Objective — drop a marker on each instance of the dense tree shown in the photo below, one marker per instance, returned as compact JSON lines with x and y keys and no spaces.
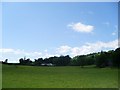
{"x":82,"y":60}
{"x":21,"y":60}
{"x":67,"y":60}
{"x":46,"y":60}
{"x":116,"y":58}
{"x":60,"y":61}
{"x":38,"y":61}
{"x":54,"y":60}
{"x":28,"y":61}
{"x":25,"y":61}
{"x":75,"y":61}
{"x":100,"y":59}
{"x":6,"y":61}
{"x":90,"y":60}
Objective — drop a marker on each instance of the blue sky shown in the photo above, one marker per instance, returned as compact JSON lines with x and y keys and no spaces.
{"x":47,"y":29}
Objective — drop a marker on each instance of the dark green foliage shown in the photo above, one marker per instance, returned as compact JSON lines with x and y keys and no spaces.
{"x":38,"y":62}
{"x":5,"y":62}
{"x":82,"y":60}
{"x":61,"y":61}
{"x":25,"y":61}
{"x":116,"y":58}
{"x":101,"y":59}
{"x":58,"y":61}
{"x":21,"y":61}
{"x":74,"y":61}
{"x":90,"y":60}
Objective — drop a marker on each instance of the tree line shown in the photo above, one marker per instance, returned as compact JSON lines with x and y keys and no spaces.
{"x":101,"y":59}
{"x":57,"y":61}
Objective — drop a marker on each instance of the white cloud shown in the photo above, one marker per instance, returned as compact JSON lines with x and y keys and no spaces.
{"x":13,"y":51}
{"x":80,"y":27}
{"x":17,"y":53}
{"x":47,"y":55}
{"x":1,"y":58}
{"x":36,"y":53}
{"x":63,"y":49}
{"x":88,"y":48}
{"x":103,"y":45}
{"x":13,"y":55}
{"x":45,"y":50}
{"x":6,"y":50}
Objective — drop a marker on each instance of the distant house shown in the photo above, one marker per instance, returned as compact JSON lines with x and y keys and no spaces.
{"x":46,"y":64}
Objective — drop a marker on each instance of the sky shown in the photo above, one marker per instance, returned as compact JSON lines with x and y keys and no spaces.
{"x":45,"y":29}
{"x":59,"y":0}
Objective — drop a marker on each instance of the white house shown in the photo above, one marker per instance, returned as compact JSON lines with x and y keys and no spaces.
{"x":46,"y":64}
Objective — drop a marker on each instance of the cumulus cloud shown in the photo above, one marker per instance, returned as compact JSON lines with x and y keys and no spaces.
{"x":80,"y":27}
{"x":13,"y":51}
{"x":14,"y":54}
{"x":88,"y":48}
{"x":63,"y":49}
{"x":6,"y":50}
{"x":17,"y":53}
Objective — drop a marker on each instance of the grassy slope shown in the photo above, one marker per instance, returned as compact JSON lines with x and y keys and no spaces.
{"x":58,"y":77}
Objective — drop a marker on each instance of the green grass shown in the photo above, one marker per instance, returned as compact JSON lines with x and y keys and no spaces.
{"x":58,"y":77}
{"x":0,"y":76}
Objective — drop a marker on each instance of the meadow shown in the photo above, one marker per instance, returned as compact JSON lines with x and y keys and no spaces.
{"x":58,"y":77}
{"x":0,"y":76}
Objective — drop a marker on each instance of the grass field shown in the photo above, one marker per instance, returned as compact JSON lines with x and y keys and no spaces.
{"x":0,"y":76}
{"x":58,"y":77}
